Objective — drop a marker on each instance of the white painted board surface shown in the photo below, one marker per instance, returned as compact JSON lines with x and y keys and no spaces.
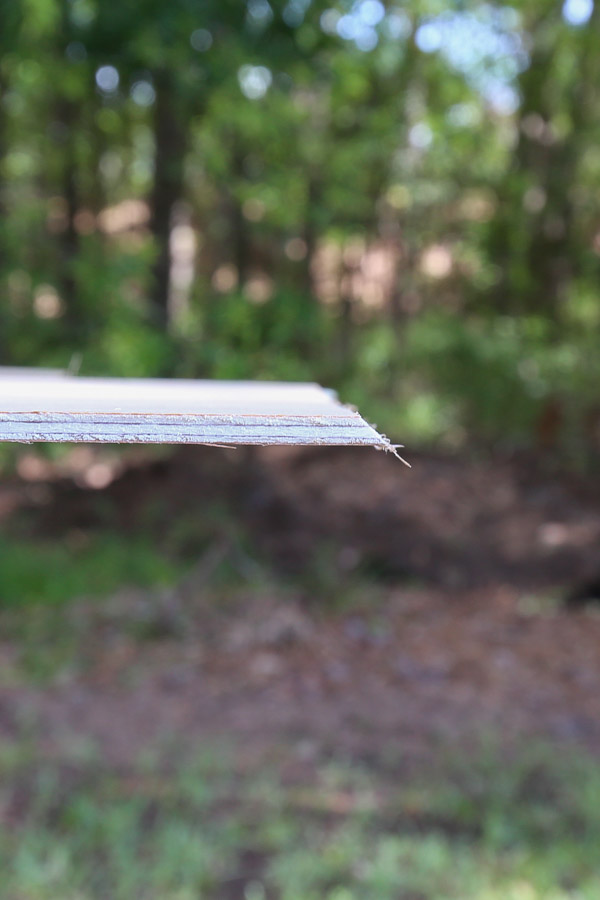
{"x":34,"y":407}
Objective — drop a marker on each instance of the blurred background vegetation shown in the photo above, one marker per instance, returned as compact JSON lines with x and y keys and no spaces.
{"x":312,"y":675}
{"x":399,"y":200}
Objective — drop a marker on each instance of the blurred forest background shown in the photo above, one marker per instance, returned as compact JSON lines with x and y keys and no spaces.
{"x":305,"y":673}
{"x":398,"y":200}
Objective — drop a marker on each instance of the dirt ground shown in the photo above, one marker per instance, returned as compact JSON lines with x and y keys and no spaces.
{"x":404,"y":611}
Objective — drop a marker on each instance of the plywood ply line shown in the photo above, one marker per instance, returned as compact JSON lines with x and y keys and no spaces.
{"x":35,"y":406}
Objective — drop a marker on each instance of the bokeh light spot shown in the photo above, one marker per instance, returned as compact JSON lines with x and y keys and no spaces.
{"x":107,"y":79}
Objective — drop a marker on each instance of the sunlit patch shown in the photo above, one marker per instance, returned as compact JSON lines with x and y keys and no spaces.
{"x":329,"y":20}
{"x":254,"y":81}
{"x":46,"y":303}
{"x":123,"y":216}
{"x":436,"y":261}
{"x":399,"y":196}
{"x":143,"y":93}
{"x":107,"y":79}
{"x":577,"y":12}
{"x":80,"y":458}
{"x":428,"y":37}
{"x":32,"y":468}
{"x":534,"y":199}
{"x":553,"y":534}
{"x":365,"y":274}
{"x":259,"y":12}
{"x":183,"y":246}
{"x":88,"y":470}
{"x":325,"y":269}
{"x":259,"y":288}
{"x":225,"y":278}
{"x":294,"y":11}
{"x":420,"y":136}
{"x":359,"y":24}
{"x":111,"y":165}
{"x":296,"y":249}
{"x":485,"y":45}
{"x":378,"y":268}
{"x":182,"y":241}
{"x":477,"y":205}
{"x":254,"y":209}
{"x":536,"y":128}
{"x":99,"y":475}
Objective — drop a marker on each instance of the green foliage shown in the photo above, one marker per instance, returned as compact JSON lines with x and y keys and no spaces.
{"x":284,"y":136}
{"x":71,"y":569}
{"x":485,"y":378}
{"x":282,"y":338}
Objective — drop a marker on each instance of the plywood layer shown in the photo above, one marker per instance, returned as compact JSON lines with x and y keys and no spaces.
{"x":36,"y":407}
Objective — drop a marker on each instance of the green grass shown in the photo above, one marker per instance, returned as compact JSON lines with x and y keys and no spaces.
{"x":43,"y":582}
{"x":482,"y":830}
{"x":52,"y":572}
{"x":484,"y":825}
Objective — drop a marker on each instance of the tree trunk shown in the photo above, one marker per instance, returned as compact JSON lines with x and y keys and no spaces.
{"x":239,"y":230}
{"x":69,"y":244}
{"x":540,"y":257}
{"x":169,"y":157}
{"x":310,"y":232}
{"x":3,"y":221}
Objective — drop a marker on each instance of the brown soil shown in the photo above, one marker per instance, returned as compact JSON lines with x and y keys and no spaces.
{"x":439,"y":624}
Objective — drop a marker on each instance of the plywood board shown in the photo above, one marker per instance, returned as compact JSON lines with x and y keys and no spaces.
{"x":35,"y":407}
